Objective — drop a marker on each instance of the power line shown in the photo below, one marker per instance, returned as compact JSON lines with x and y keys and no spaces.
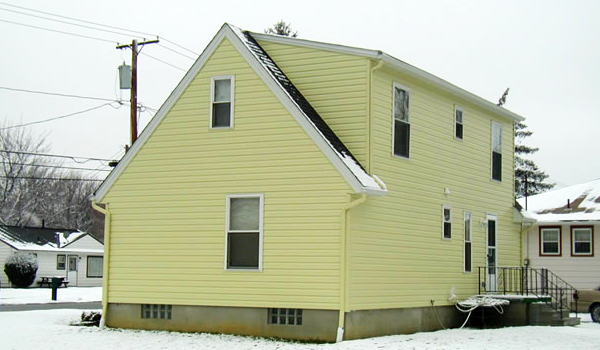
{"x":57,"y":166}
{"x":65,"y":22}
{"x":159,"y":60}
{"x":61,"y":117}
{"x":47,"y":178}
{"x":177,"y":52}
{"x":59,"y":31}
{"x":77,"y":20}
{"x":59,"y":94}
{"x":58,"y":156}
{"x":100,"y":25}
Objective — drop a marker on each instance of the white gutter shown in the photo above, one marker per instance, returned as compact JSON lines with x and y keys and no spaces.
{"x":106,"y":213}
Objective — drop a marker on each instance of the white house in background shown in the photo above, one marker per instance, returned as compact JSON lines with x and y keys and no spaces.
{"x":72,"y":254}
{"x":563,"y":239}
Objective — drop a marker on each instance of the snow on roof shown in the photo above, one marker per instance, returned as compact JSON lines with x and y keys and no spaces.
{"x":309,"y":112}
{"x":574,"y":203}
{"x":34,"y":238}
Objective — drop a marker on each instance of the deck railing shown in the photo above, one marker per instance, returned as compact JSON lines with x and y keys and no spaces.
{"x":541,"y":283}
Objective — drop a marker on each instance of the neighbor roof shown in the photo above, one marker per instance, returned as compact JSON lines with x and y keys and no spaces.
{"x":312,"y":123}
{"x":574,"y":203}
{"x":36,"y":238}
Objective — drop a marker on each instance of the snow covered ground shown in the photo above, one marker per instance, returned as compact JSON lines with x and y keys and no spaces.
{"x":51,"y":329}
{"x":44,"y":295}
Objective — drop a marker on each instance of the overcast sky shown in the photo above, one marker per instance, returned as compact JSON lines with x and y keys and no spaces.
{"x":547,"y":52}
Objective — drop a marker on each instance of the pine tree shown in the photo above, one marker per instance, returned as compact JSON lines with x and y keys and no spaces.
{"x":281,"y":28}
{"x":528,"y":177}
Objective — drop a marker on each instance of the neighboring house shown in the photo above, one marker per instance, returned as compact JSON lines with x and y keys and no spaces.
{"x":72,"y":254}
{"x":251,"y":204}
{"x":563,"y":239}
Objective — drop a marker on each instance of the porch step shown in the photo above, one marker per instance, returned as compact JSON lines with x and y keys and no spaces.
{"x":541,"y":314}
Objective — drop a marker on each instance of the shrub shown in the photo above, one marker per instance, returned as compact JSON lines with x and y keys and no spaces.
{"x":20,"y":268}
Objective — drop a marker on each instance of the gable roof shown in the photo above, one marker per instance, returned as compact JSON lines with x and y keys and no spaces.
{"x":574,"y":203}
{"x":397,"y":65}
{"x":291,"y":98}
{"x":37,"y":238}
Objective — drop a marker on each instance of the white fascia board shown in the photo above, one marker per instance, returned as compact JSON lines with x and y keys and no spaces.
{"x":160,"y":115}
{"x":300,"y":117}
{"x":396,"y":64}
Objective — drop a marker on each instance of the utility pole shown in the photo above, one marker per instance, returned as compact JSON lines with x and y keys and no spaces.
{"x":134,"y":54}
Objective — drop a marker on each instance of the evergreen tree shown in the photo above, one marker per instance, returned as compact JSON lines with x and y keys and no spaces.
{"x":281,"y":28}
{"x":526,"y":170}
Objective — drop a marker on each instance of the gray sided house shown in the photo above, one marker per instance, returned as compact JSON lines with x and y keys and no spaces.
{"x":77,"y":256}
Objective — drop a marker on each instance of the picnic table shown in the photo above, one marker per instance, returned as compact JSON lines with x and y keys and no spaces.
{"x":48,"y":281}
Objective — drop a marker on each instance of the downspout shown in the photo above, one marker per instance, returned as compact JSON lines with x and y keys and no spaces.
{"x":524,"y":227}
{"x":106,"y":213}
{"x":369,"y":127}
{"x":343,"y":265}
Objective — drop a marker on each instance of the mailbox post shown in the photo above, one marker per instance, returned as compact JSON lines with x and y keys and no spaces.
{"x":56,"y":282}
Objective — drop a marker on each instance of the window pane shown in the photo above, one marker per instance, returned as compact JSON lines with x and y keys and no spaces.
{"x":550,"y":235}
{"x":243,"y":250}
{"x":496,"y":166}
{"x":550,"y":248}
{"x":583,"y":248}
{"x":447,"y":216}
{"x":459,"y":131}
{"x":497,"y":138}
{"x":447,"y":230}
{"x":244,"y":214}
{"x":467,"y":256}
{"x":222,"y":90}
{"x":400,"y":104}
{"x":401,"y":138}
{"x":221,"y":115}
{"x":459,"y":116}
{"x":491,"y":233}
{"x":468,"y":227}
{"x":582,"y":235}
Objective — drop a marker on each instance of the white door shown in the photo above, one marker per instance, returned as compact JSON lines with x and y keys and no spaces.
{"x":491,"y":254}
{"x":72,"y":269}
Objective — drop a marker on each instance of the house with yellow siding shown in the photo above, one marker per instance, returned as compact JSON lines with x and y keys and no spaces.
{"x":305,"y":190}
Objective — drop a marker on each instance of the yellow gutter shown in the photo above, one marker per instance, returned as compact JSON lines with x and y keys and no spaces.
{"x":105,"y":259}
{"x":343,"y":265}
{"x":369,"y":126}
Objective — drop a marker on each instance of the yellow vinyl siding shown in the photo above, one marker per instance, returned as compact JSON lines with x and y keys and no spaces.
{"x":398,"y":257}
{"x":334,"y":84}
{"x":168,"y":207}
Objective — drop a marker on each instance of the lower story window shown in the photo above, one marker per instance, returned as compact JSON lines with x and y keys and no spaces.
{"x":285,"y":316}
{"x":157,"y":311}
{"x":94,"y":266}
{"x":582,"y":240}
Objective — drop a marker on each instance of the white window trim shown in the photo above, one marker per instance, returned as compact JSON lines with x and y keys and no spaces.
{"x":212,"y":98}
{"x":458,"y":108}
{"x":444,"y":207}
{"x":408,"y":90}
{"x":573,"y":253}
{"x":260,"y":230}
{"x":469,"y":241}
{"x":559,"y":242}
{"x":492,"y":150}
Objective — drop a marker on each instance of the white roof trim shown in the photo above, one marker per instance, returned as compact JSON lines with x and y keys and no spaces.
{"x":396,"y":64}
{"x":227,"y":31}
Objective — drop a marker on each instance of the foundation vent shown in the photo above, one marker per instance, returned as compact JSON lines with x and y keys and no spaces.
{"x":156,"y":311}
{"x":291,"y":317}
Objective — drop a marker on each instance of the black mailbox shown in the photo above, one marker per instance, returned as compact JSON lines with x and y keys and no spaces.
{"x":56,"y":282}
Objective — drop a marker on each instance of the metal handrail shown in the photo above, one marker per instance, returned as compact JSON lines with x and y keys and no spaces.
{"x":529,"y":281}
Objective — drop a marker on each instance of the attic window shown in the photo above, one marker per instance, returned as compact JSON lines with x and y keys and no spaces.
{"x":221,"y":100}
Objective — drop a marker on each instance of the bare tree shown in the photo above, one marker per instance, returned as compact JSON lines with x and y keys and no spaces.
{"x":35,"y":191}
{"x":282,"y":28}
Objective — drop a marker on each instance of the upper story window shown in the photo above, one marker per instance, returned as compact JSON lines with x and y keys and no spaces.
{"x":582,"y":240}
{"x":244,"y":231}
{"x":496,"y":151}
{"x":458,"y":123}
{"x":401,"y":121}
{"x":221,"y":100}
{"x":550,"y":241}
{"x":447,"y":222}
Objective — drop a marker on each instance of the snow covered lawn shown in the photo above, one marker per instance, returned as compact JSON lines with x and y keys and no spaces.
{"x":50,"y":329}
{"x":44,"y":295}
